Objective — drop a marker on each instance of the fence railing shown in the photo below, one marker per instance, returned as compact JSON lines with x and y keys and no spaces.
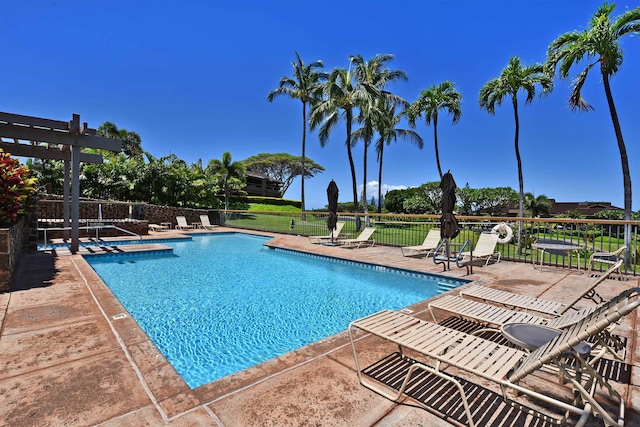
{"x":407,"y":230}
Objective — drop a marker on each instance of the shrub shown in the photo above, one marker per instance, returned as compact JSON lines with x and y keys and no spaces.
{"x":16,"y":185}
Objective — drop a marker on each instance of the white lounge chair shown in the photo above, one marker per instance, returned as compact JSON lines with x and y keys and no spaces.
{"x":363,"y":239}
{"x":333,"y":235}
{"x":485,"y":250}
{"x":504,"y":366}
{"x":427,"y":247}
{"x":156,"y":227}
{"x":606,"y":258}
{"x":554,"y":308}
{"x":182,"y":224}
{"x":206,"y":224}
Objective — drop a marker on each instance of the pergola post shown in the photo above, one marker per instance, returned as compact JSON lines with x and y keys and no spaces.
{"x":66,"y":198}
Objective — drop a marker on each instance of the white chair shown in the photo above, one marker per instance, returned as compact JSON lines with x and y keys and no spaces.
{"x":363,"y":238}
{"x":206,"y":224}
{"x":427,"y":247}
{"x":182,"y":224}
{"x":606,"y":258}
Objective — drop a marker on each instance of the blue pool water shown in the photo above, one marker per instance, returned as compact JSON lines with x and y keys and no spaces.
{"x":223,"y":302}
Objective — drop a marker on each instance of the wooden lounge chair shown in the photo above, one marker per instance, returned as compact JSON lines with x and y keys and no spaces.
{"x":554,"y":308}
{"x":182,"y":224}
{"x":502,"y":365}
{"x":485,"y":250}
{"x":206,"y":224}
{"x":363,"y":239}
{"x":426,"y":248}
{"x":606,"y":258}
{"x":331,"y":236}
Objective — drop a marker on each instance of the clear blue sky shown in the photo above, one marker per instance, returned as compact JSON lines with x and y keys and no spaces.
{"x":192,"y":78}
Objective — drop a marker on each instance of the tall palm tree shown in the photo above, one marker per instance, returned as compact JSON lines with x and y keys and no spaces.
{"x":339,"y":99}
{"x":131,"y":141}
{"x":388,"y":132}
{"x":305,"y":86}
{"x":228,"y":171}
{"x":599,"y":41}
{"x":372,"y":77}
{"x":430,"y":102}
{"x":537,"y":205}
{"x":513,"y":79}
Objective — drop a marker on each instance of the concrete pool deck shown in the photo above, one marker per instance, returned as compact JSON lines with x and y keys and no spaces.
{"x":71,"y":356}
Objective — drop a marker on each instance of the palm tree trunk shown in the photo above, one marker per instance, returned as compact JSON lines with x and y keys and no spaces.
{"x":435,"y":140}
{"x":304,"y":140}
{"x":520,"y":178}
{"x":380,"y":181}
{"x":626,"y":175}
{"x":353,"y":168}
{"x":364,"y":188}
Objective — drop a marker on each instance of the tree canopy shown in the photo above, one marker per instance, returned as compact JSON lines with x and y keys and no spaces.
{"x":282,"y":167}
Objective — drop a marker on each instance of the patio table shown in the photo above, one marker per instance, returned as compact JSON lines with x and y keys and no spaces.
{"x":568,"y":248}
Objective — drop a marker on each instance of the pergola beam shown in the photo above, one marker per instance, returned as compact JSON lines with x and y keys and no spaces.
{"x":43,"y":152}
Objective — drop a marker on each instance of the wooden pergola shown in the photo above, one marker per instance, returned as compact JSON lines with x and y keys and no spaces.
{"x":35,"y":137}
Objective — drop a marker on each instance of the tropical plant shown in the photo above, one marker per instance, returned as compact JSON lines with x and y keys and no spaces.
{"x":372,"y":78}
{"x":430,"y":102}
{"x":282,"y":167}
{"x":230,"y":173}
{"x":599,"y":41}
{"x":537,"y":205}
{"x":16,"y":186}
{"x":339,"y":99}
{"x":131,"y":141}
{"x":513,"y":79}
{"x":305,"y":86}
{"x":388,"y":132}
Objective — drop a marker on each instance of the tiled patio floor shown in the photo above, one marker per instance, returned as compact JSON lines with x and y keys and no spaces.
{"x":68,"y":358}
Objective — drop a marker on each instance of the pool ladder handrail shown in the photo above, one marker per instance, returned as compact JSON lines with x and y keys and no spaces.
{"x":88,"y":227}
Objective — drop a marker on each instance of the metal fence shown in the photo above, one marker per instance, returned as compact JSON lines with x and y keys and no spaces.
{"x":529,"y":234}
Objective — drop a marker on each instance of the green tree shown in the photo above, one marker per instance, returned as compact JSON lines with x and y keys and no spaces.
{"x":131,"y":141}
{"x":599,"y":41}
{"x":305,"y":86}
{"x":430,"y":102}
{"x":537,"y":206}
{"x":282,"y":167}
{"x":230,"y":173}
{"x":339,"y":99}
{"x":389,"y":132}
{"x":513,"y":79}
{"x":372,"y":78}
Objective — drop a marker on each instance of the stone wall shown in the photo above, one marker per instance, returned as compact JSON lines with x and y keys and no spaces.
{"x":11,"y":241}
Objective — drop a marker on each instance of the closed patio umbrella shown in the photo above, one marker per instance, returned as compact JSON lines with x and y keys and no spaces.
{"x":332,"y":198}
{"x":448,"y":222}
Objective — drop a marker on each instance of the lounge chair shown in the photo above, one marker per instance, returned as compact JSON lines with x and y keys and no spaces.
{"x":499,"y":316}
{"x":502,"y":365}
{"x":606,"y":258}
{"x":182,"y":224}
{"x":554,"y":308}
{"x":485,"y":250}
{"x":156,"y":227}
{"x":206,"y":224}
{"x":332,"y":236}
{"x":427,"y":247}
{"x":362,"y":239}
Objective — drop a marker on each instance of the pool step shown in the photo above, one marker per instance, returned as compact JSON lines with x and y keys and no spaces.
{"x":445,"y":287}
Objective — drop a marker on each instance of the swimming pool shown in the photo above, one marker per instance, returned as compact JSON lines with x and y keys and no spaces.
{"x":223,"y":302}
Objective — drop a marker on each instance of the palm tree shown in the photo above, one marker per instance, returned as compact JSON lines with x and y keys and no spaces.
{"x":372,"y":77}
{"x":430,"y":102}
{"x":537,"y":205}
{"x":512,"y":80}
{"x":600,"y":40}
{"x":131,"y":141}
{"x":304,"y":86}
{"x":339,"y":100}
{"x":388,"y":132}
{"x":228,"y":172}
